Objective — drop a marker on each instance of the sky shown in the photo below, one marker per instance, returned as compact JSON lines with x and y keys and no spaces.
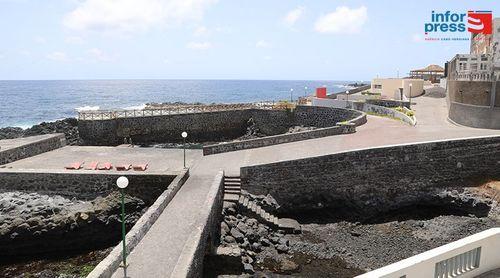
{"x":221,"y":39}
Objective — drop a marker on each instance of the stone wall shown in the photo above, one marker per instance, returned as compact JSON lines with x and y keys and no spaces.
{"x":44,"y":145}
{"x":388,"y":103}
{"x":374,"y":180}
{"x":278,"y":139}
{"x":207,"y":126}
{"x":84,"y":186}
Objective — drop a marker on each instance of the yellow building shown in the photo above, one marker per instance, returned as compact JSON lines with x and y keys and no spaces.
{"x":388,"y":88}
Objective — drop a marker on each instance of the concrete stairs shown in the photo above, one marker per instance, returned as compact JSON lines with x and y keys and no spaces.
{"x":232,"y":193}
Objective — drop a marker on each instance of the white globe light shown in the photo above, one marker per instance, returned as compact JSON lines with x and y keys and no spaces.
{"x":347,"y":92}
{"x":410,"y":84}
{"x":122,"y":182}
{"x":184,"y":134}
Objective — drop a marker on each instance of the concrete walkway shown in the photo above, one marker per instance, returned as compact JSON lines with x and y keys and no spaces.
{"x":158,"y":252}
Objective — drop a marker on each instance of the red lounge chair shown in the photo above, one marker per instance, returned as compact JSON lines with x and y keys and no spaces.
{"x":74,"y":166}
{"x":140,"y":167}
{"x":123,"y":167}
{"x":92,"y":165}
{"x":105,"y":166}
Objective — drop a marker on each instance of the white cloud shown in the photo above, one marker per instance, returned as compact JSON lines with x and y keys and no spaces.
{"x":39,"y":39}
{"x":342,"y":20}
{"x":293,"y":15}
{"x":74,"y":40}
{"x":98,"y":55}
{"x":57,"y":56}
{"x":201,"y":31}
{"x":417,"y":38}
{"x":263,"y":44}
{"x":25,"y":53}
{"x":199,"y":45}
{"x":127,"y":16}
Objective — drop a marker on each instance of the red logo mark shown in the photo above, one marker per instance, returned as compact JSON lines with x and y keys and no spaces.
{"x":480,"y":22}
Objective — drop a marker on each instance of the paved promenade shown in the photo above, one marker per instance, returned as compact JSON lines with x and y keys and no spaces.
{"x":157,"y":254}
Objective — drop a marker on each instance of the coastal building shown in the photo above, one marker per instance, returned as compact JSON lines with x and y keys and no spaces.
{"x":473,"y":86}
{"x":432,"y":73}
{"x":388,"y":88}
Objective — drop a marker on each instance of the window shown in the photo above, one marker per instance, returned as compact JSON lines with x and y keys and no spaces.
{"x":377,"y":86}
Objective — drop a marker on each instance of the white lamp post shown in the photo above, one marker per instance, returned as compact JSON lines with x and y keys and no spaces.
{"x":122,"y":183}
{"x":409,"y":106}
{"x":184,"y":136}
{"x":291,"y":95}
{"x":305,"y":91}
{"x":347,"y":101}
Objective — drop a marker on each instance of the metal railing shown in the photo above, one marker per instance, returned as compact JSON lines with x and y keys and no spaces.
{"x":172,"y":110}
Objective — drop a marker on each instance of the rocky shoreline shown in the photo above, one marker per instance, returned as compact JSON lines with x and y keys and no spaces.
{"x":68,"y":126}
{"x":34,"y":223}
{"x":346,"y":248}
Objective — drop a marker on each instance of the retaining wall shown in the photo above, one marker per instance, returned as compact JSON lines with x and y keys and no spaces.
{"x":31,"y":149}
{"x":207,"y":126}
{"x":472,"y":103}
{"x":84,"y":186}
{"x":278,"y":139}
{"x":376,"y":179}
{"x":110,"y":264}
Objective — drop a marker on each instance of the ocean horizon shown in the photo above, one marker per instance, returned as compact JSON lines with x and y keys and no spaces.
{"x":29,"y":102}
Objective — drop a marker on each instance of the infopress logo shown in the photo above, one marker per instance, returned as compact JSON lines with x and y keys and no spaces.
{"x":480,"y":22}
{"x":453,"y":24}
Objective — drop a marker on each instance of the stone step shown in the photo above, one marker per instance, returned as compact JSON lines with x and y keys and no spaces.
{"x":289,"y":225}
{"x":232,"y":192}
{"x":231,"y":197}
{"x":235,"y":183}
{"x":232,"y":187}
{"x":232,"y":180}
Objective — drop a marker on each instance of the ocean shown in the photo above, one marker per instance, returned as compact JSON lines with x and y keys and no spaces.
{"x":25,"y":103}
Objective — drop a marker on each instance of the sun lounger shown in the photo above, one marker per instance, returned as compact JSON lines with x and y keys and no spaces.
{"x":140,"y":167}
{"x":105,"y":166}
{"x":74,"y":166}
{"x":123,"y":167}
{"x":92,"y":165}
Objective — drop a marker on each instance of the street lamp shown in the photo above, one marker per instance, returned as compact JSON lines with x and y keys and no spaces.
{"x":409,"y":106}
{"x":122,"y":183}
{"x":291,"y":95}
{"x":347,"y":99}
{"x":184,"y":135}
{"x":305,"y":91}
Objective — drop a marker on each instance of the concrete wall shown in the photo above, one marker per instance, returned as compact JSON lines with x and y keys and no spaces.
{"x":470,"y":103}
{"x":205,"y":235}
{"x":110,"y":264}
{"x":374,"y":180}
{"x":388,"y":102}
{"x":424,"y":264}
{"x":31,"y":149}
{"x":208,"y":126}
{"x":84,"y":186}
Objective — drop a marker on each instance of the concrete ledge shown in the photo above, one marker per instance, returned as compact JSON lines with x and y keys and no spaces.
{"x":424,"y":264}
{"x":16,"y":149}
{"x":474,"y":115}
{"x":190,"y":263}
{"x":110,"y":264}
